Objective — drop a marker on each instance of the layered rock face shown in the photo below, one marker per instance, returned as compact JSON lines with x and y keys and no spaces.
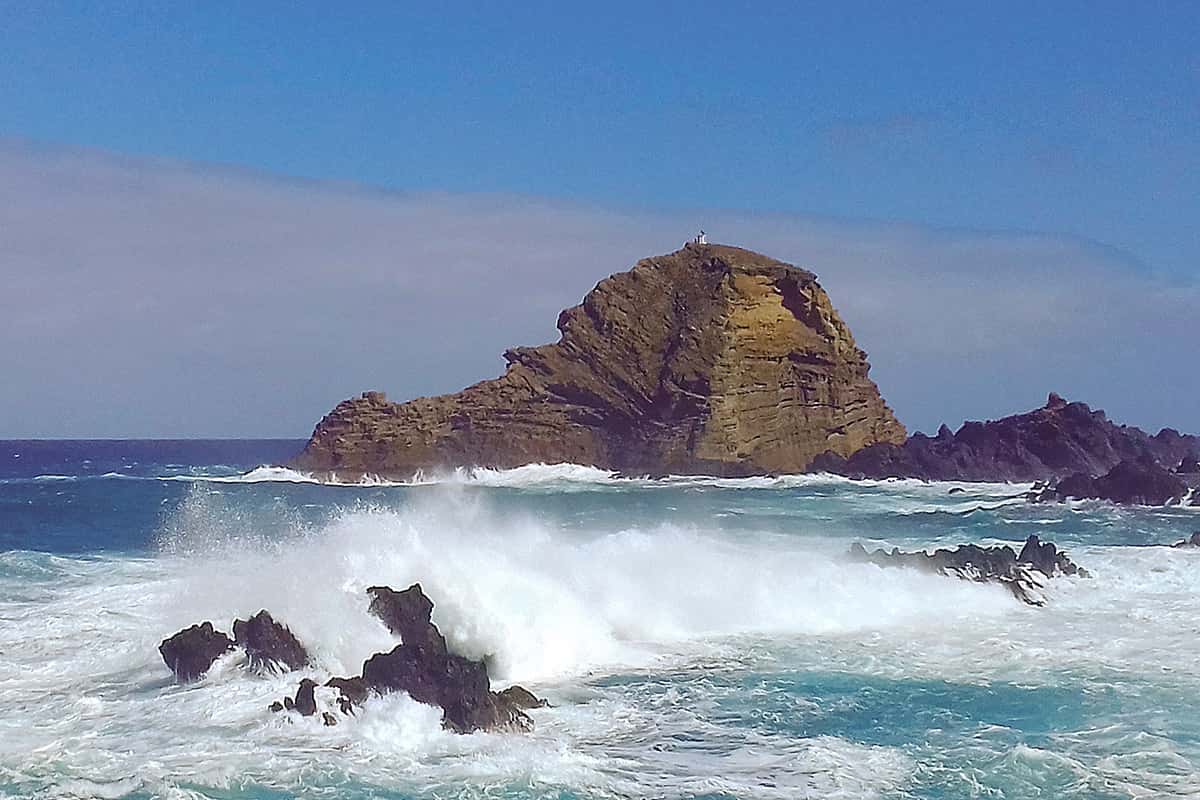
{"x":1055,"y":441}
{"x":712,"y":359}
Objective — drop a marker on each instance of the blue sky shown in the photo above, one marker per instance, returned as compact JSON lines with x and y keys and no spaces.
{"x":1079,"y":121}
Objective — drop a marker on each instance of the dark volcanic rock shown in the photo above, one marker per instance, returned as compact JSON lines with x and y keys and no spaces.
{"x":192,"y":651}
{"x":352,"y":692}
{"x":1054,"y":441}
{"x":522,"y":698}
{"x":1023,"y":574}
{"x":269,"y":644}
{"x":1138,"y":482}
{"x":422,"y":667}
{"x":1188,"y":466}
{"x":306,"y":699}
{"x":712,"y":360}
{"x":407,"y":614}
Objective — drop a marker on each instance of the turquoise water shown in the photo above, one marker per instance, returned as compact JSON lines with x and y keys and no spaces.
{"x":697,"y":637}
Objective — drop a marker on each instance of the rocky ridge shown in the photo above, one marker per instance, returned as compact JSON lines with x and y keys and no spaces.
{"x":1050,"y":443}
{"x":711,"y":359}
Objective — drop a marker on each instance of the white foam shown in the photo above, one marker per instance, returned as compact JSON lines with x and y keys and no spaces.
{"x":87,"y":699}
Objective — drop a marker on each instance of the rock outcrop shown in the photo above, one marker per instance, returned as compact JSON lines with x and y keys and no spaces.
{"x":1141,"y":482}
{"x":1051,"y":442}
{"x":1191,"y":541}
{"x":712,"y":359}
{"x":268,"y":644}
{"x":422,"y":666}
{"x":1024,"y":574}
{"x":192,"y":651}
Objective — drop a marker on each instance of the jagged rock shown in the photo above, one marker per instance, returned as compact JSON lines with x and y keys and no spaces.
{"x":1188,"y":466}
{"x":192,"y":651}
{"x":407,"y":614}
{"x":1051,"y":442}
{"x":1139,"y":482}
{"x":352,"y":692}
{"x":1048,"y":559}
{"x":522,"y":698}
{"x":276,"y":707}
{"x":269,"y":644}
{"x":422,"y":667}
{"x":1023,"y":574}
{"x":306,"y":699}
{"x":712,"y":359}
{"x":328,"y":719}
{"x":1191,"y":541}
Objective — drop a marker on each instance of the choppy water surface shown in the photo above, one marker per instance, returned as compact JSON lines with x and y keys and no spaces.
{"x":697,"y":636}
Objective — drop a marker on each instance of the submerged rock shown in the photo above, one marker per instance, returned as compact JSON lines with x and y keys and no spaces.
{"x":192,"y":651}
{"x":711,"y":359}
{"x":269,"y":644}
{"x":1023,"y":574}
{"x":1191,"y":541}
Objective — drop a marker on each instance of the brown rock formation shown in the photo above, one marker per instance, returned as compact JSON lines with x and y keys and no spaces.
{"x":712,"y":359}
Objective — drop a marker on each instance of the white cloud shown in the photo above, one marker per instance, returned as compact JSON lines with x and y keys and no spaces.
{"x":154,"y":298}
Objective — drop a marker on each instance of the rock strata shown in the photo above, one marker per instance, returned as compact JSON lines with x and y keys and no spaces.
{"x":712,"y":359}
{"x":1024,"y":574}
{"x":1052,"y":442}
{"x":192,"y":651}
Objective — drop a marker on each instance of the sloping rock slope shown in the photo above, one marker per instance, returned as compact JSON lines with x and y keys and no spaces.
{"x":712,"y":359}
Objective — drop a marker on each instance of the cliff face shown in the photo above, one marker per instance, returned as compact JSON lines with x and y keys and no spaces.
{"x":1057,"y":440}
{"x":712,"y":359}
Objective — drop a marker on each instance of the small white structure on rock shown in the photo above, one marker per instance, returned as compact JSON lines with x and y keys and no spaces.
{"x":701,"y":238}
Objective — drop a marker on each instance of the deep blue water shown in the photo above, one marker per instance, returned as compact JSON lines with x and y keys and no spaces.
{"x":698,"y":637}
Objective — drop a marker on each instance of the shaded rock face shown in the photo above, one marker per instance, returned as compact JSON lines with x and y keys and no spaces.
{"x":423,"y":667}
{"x":711,"y":359}
{"x":192,"y":651}
{"x":1023,"y":574}
{"x":1054,"y":441}
{"x":268,"y":644}
{"x":1137,"y":482}
{"x":1190,"y":465}
{"x":520,"y":697}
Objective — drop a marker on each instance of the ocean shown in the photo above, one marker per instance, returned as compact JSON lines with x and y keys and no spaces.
{"x":697,"y":637}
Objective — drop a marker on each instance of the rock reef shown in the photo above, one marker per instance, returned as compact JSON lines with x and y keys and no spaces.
{"x":711,"y":359}
{"x":1024,"y":573}
{"x":421,"y":666}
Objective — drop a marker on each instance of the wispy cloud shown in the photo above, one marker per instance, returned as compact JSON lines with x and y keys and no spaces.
{"x":154,"y":298}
